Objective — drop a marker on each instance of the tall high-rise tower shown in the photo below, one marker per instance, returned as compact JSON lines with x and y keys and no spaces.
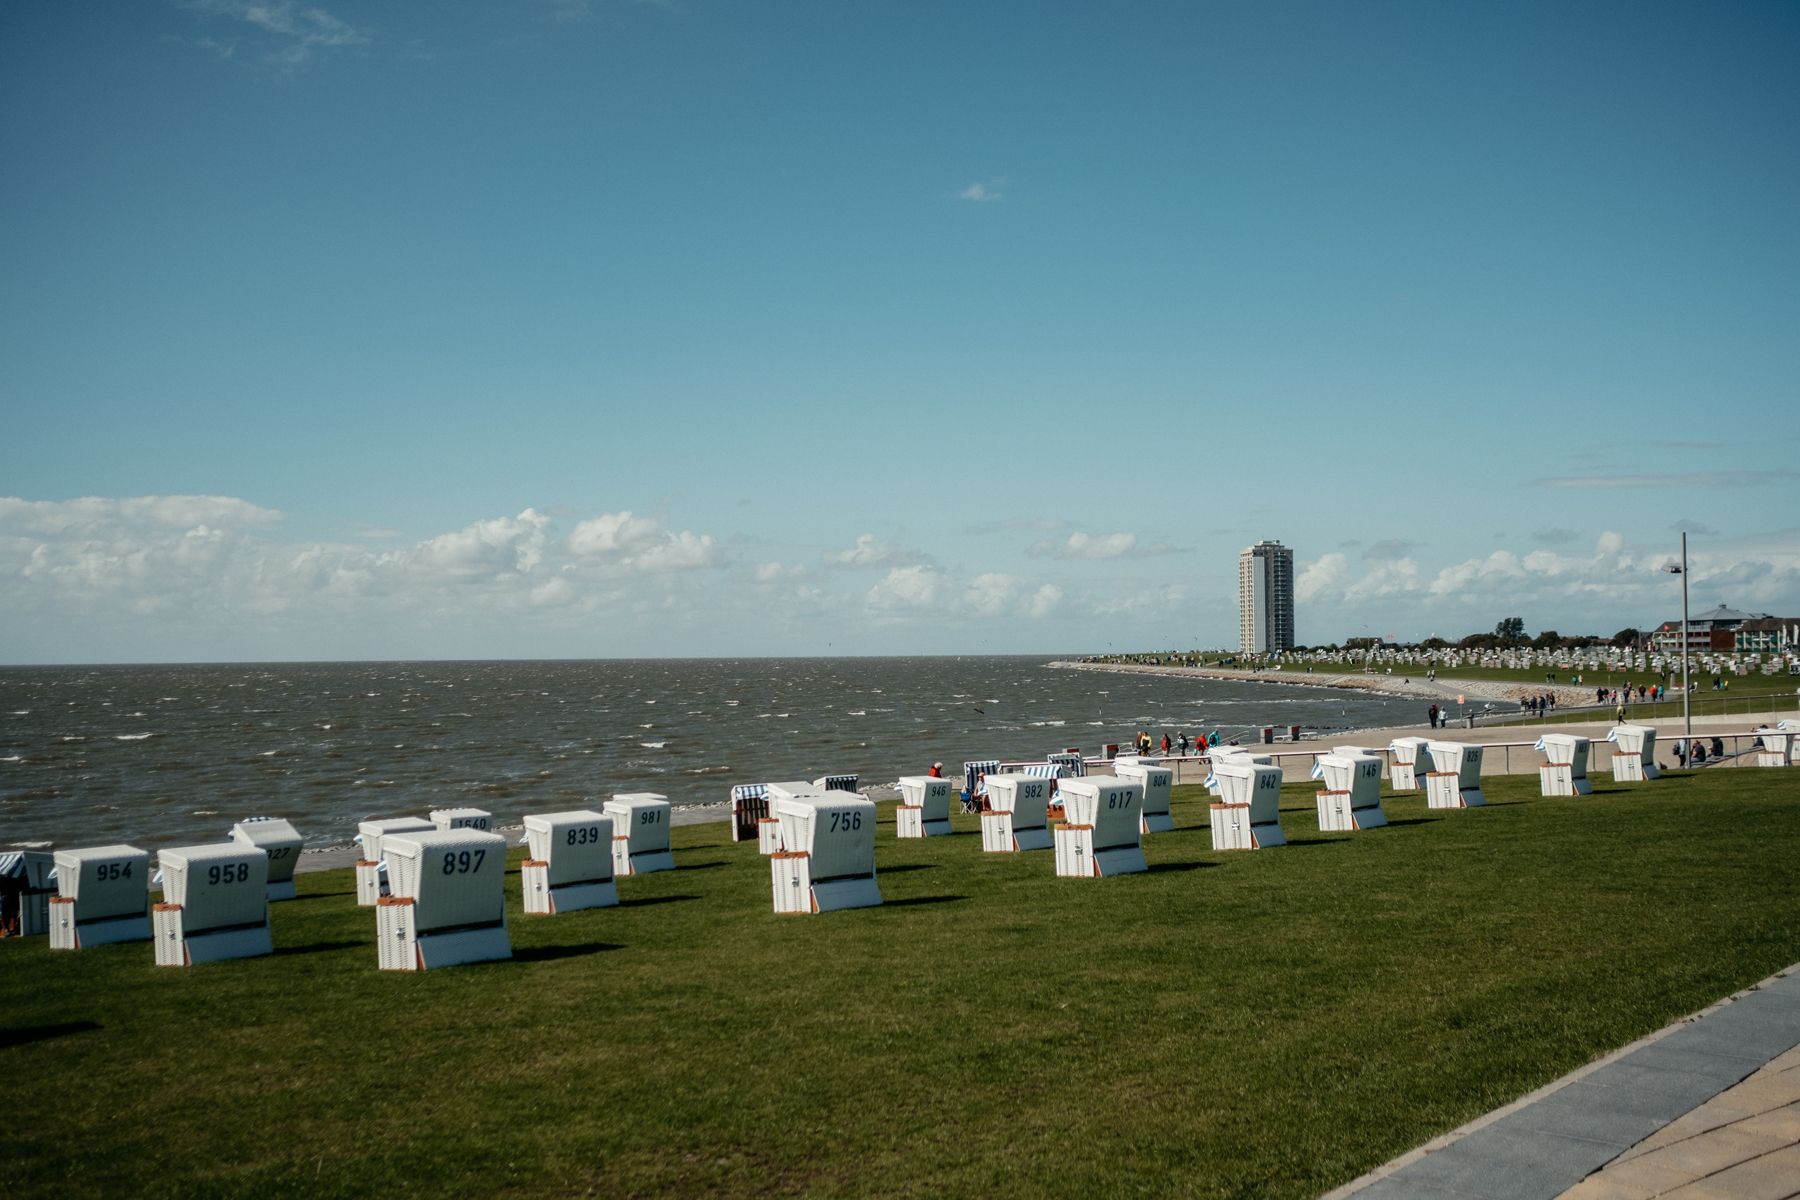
{"x":1265,"y":598}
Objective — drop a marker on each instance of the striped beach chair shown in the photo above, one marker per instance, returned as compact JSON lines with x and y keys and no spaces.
{"x":1075,"y":765}
{"x":837,"y":783}
{"x":974,"y":782}
{"x":749,"y":804}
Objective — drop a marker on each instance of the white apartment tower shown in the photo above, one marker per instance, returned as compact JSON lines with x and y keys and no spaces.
{"x":1265,"y":598}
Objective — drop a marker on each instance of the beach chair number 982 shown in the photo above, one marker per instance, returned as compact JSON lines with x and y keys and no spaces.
{"x":227,"y":873}
{"x":583,"y":835}
{"x":845,"y":821}
{"x":462,"y":862}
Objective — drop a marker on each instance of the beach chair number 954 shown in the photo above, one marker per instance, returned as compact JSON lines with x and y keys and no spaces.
{"x":227,"y":873}
{"x":462,"y":862}
{"x":845,"y":821}
{"x":582,"y":836}
{"x":108,"y":871}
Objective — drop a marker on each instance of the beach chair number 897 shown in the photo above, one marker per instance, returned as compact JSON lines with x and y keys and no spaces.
{"x":461,"y":862}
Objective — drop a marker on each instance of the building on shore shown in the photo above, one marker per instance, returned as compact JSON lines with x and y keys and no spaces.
{"x":1727,"y":630}
{"x":1265,"y":599}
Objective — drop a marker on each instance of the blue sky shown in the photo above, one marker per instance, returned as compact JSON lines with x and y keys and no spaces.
{"x":564,"y":329}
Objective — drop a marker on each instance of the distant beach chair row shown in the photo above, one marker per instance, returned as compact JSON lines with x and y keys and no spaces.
{"x":437,"y":883}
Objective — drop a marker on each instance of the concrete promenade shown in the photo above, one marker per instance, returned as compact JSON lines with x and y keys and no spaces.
{"x":1705,"y":1109}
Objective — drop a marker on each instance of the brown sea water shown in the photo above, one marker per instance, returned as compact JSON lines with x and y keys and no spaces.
{"x":163,"y":755}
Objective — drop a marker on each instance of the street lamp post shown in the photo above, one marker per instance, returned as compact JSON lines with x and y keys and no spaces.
{"x":1687,"y":720}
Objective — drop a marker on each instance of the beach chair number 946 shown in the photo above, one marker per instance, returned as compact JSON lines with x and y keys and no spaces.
{"x":582,"y":835}
{"x":845,"y":821}
{"x":227,"y":873}
{"x":462,"y":862}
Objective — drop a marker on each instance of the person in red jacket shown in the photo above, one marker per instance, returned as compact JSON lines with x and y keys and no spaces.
{"x":937,"y":770}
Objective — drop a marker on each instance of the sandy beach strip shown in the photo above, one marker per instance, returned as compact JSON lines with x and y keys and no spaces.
{"x":1414,"y":686}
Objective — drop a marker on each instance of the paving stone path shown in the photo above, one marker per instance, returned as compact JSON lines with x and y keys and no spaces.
{"x":1708,"y":1108}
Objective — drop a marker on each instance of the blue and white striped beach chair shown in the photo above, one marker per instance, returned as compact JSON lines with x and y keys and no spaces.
{"x":974,"y":782}
{"x":749,"y":804}
{"x":837,"y":783}
{"x":1075,"y":764}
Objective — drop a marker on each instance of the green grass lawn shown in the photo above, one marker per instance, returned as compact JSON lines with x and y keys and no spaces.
{"x":1255,"y":1024}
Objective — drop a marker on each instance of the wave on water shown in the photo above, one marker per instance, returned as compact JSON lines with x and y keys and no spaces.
{"x":131,"y":737}
{"x":653,"y":745}
{"x":12,"y":758}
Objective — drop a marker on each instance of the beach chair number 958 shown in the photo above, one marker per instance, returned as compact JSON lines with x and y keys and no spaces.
{"x":845,"y":822}
{"x":462,"y":862}
{"x":227,"y":873}
{"x":583,"y":835}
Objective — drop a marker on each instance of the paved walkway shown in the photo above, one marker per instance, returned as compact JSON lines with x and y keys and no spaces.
{"x":1707,"y":1108}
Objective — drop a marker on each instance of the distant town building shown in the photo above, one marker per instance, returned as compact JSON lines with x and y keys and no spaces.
{"x":1265,"y":598}
{"x":1728,"y":630}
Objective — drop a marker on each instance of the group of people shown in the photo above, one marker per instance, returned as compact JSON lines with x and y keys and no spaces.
{"x":1180,"y":744}
{"x":1537,"y":706}
{"x":1698,"y":752}
{"x":1652,"y":692}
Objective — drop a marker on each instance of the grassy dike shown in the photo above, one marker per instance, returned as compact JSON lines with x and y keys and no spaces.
{"x":1261,"y":1024}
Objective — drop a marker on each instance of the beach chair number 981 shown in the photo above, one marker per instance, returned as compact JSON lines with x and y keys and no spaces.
{"x":227,"y":873}
{"x":583,"y":835}
{"x":462,"y":862}
{"x":845,"y":821}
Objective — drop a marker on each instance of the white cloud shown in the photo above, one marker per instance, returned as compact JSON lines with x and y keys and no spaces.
{"x":775,"y":572}
{"x":869,"y":551}
{"x":487,"y":547}
{"x":91,"y":514}
{"x":980,"y":193}
{"x":684,"y":551}
{"x":621,"y":543}
{"x":613,"y":533}
{"x":290,"y":33}
{"x":906,"y":588}
{"x":1079,"y":545}
{"x":1691,"y":479}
